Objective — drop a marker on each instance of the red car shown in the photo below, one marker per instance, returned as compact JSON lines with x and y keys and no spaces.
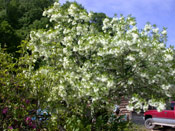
{"x":164,"y":118}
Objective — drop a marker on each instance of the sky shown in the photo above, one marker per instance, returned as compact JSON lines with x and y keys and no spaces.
{"x":159,"y":12}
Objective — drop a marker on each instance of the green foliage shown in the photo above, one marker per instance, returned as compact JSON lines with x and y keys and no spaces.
{"x":13,"y":93}
{"x":97,"y":19}
{"x":118,"y":124}
{"x":18,"y":18}
{"x":68,"y":3}
{"x":9,"y":37}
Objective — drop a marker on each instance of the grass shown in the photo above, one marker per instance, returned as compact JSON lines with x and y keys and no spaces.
{"x":136,"y":127}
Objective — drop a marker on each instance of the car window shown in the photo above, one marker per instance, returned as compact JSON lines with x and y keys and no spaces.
{"x":151,"y":108}
{"x":168,"y":107}
{"x":172,"y":106}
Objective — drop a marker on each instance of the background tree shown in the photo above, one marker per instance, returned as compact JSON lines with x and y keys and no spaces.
{"x":21,"y":16}
{"x":9,"y":38}
{"x":97,"y":19}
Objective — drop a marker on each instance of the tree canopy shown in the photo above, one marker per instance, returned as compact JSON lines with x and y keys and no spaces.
{"x":18,"y":18}
{"x":120,"y":58}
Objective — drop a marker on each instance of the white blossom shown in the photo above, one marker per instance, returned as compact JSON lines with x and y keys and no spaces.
{"x":147,"y":27}
{"x":130,"y":108}
{"x":156,"y":30}
{"x":166,"y":87}
{"x":164,"y":32}
{"x":130,"y":58}
{"x":132,"y":23}
{"x":168,"y":57}
{"x":135,"y":37}
{"x":134,"y":28}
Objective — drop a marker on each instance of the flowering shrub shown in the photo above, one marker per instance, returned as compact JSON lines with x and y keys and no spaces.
{"x":85,"y":62}
{"x":12,"y":93}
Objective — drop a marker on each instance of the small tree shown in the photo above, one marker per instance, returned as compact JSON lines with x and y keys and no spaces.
{"x":74,"y":67}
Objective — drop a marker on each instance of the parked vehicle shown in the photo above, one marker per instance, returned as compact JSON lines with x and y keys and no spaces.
{"x":164,"y":118}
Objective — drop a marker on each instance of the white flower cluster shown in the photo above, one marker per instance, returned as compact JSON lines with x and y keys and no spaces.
{"x":156,"y":30}
{"x":72,"y":10}
{"x":168,"y":57}
{"x":106,"y":24}
{"x":164,"y":32}
{"x":84,"y":61}
{"x":166,"y":87}
{"x":158,"y":104}
{"x":136,"y":103}
{"x":148,"y":27}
